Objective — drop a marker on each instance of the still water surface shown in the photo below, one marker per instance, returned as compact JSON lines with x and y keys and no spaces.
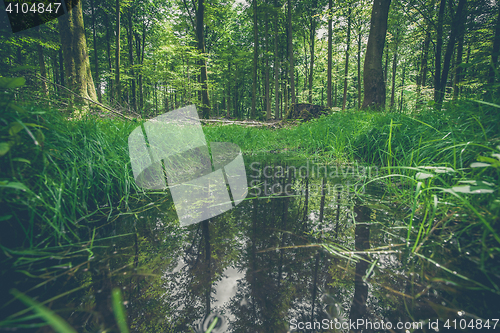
{"x":305,"y":251}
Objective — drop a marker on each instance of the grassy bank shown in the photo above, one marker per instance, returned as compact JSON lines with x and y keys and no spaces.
{"x":63,"y":180}
{"x":69,"y":170}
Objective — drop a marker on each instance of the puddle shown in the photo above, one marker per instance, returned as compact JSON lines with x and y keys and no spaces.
{"x":305,"y":252}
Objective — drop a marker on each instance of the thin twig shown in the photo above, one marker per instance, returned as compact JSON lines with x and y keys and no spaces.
{"x":85,"y":98}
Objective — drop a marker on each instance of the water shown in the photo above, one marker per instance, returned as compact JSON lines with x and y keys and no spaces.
{"x":304,"y":252}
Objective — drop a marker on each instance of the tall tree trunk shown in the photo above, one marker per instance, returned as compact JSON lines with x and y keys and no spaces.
{"x":228,"y":114}
{"x":423,"y":66}
{"x":346,"y":69}
{"x":458,"y":67}
{"x":108,"y":51}
{"x":329,"y":70}
{"x":457,"y":24}
{"x":130,"y":39}
{"x":276,"y":63}
{"x":43,"y":71}
{"x":439,"y":46}
{"x":312,"y":36}
{"x":359,"y":66}
{"x":200,"y":35}
{"x":374,"y":86}
{"x":255,"y":58}
{"x":401,"y":98}
{"x":290,"y":54}
{"x":96,"y":59}
{"x":117,"y":54}
{"x":495,"y":51}
{"x":75,"y":53}
{"x":61,"y":65}
{"x":394,"y":67}
{"x":267,"y":83}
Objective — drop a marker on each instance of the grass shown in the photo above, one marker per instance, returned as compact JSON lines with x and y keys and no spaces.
{"x":59,"y":176}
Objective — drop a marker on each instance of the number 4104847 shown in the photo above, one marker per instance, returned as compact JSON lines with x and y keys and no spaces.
{"x":473,"y":324}
{"x":37,"y":7}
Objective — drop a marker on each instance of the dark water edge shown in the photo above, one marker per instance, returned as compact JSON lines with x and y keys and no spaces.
{"x":306,"y":251}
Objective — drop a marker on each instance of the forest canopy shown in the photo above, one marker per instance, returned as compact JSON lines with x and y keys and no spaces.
{"x":253,"y":59}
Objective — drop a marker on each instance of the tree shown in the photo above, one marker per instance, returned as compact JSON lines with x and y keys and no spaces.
{"x":78,"y":75}
{"x":200,"y":36}
{"x":373,"y":82}
{"x":255,"y":57}
{"x":329,"y":70}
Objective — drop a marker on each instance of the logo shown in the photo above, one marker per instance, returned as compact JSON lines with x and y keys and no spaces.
{"x":173,"y":146}
{"x":23,"y":15}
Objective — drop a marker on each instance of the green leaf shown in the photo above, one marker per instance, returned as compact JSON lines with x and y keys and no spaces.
{"x":423,"y":175}
{"x":479,"y":165}
{"x":19,"y":159}
{"x":14,"y":185}
{"x":57,"y":323}
{"x":493,"y":161}
{"x":15,"y":128}
{"x":479,"y":189}
{"x":12,"y":82}
{"x":4,"y":148}
{"x":119,"y":311}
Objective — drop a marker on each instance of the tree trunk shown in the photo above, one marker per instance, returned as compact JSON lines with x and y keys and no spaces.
{"x":374,"y":86}
{"x":495,"y":51}
{"x":200,"y":35}
{"x":290,"y":53}
{"x":117,"y":54}
{"x":346,"y":69}
{"x":312,"y":36}
{"x":457,"y":24}
{"x":43,"y":71}
{"x":130,"y":39}
{"x":359,"y":66}
{"x":276,"y":63}
{"x":255,"y":58}
{"x":394,"y":67}
{"x":75,"y":53}
{"x":458,"y":68}
{"x":267,"y":83}
{"x":423,"y":65}
{"x":329,"y":70}
{"x":96,"y":59}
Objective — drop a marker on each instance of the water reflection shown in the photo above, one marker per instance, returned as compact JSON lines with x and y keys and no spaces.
{"x":262,"y":266}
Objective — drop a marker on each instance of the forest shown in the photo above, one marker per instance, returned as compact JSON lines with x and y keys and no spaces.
{"x":398,"y":102}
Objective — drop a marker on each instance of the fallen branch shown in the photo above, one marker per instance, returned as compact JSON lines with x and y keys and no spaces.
{"x":85,"y":98}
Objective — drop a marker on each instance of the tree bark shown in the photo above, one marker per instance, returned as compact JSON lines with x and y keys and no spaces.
{"x":359,"y":66}
{"x":329,"y":70}
{"x":43,"y":71}
{"x":312,"y":37}
{"x":374,"y":86}
{"x":96,"y":59}
{"x":290,"y":53}
{"x":130,"y":40}
{"x":267,"y":83}
{"x":495,"y":51}
{"x":394,"y":67}
{"x":346,"y":69}
{"x":457,"y":24}
{"x":75,"y":53}
{"x":276,"y":63}
{"x":255,"y":58}
{"x":200,"y":35}
{"x":117,"y":54}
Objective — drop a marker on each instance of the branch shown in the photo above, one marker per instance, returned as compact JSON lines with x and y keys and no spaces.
{"x":85,"y":98}
{"x":189,"y":14}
